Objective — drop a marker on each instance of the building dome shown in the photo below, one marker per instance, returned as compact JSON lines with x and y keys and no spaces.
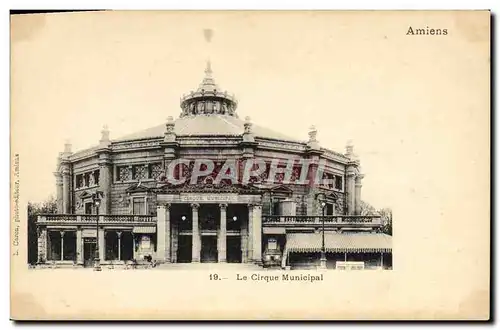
{"x":209,"y":111}
{"x":208,"y":99}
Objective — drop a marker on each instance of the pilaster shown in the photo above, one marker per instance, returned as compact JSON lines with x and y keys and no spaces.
{"x":244,"y":241}
{"x":42,"y":245}
{"x":196,"y":235}
{"x":102,"y":244}
{"x":257,"y":233}
{"x":66,"y":205}
{"x":79,"y":246}
{"x":357,"y":194}
{"x":163,"y":233}
{"x":350,"y":187}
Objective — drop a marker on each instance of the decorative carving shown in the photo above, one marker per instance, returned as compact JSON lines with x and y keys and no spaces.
{"x":170,"y":125}
{"x":191,"y":141}
{"x":195,"y":206}
{"x":123,"y":200}
{"x":313,"y":132}
{"x":91,"y":179}
{"x":281,"y":145}
{"x":339,"y":206}
{"x":248,"y":125}
{"x":136,"y":145}
{"x":80,"y":182}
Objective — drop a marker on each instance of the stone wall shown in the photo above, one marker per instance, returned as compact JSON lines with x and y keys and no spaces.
{"x":303,"y":195}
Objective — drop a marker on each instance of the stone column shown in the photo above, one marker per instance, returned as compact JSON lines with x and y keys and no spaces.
{"x":62,"y":244}
{"x":66,"y":189}
{"x":160,"y":233}
{"x":105,"y":176}
{"x":163,"y":233}
{"x":222,"y":242}
{"x":79,"y":246}
{"x":250,"y":232}
{"x":105,"y":170}
{"x":134,"y":252}
{"x":257,"y":233}
{"x":357,"y":194}
{"x":244,"y":241}
{"x":196,"y":235}
{"x":119,"y":234}
{"x":350,"y":191}
{"x":167,"y":233}
{"x":42,"y":245}
{"x":102,"y":244}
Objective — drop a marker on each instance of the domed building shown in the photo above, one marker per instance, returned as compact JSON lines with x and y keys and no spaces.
{"x":211,"y":187}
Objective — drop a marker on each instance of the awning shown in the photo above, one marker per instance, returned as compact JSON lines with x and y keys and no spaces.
{"x":339,"y":242}
{"x":144,"y":230}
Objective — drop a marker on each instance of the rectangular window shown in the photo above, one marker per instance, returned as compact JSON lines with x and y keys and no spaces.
{"x":88,"y":208}
{"x":276,"y":207}
{"x":329,"y":209}
{"x":96,"y":177}
{"x":338,"y":182}
{"x":139,"y":172}
{"x":139,"y":206}
{"x":155,"y":170}
{"x":123,"y":173}
{"x":79,"y":181}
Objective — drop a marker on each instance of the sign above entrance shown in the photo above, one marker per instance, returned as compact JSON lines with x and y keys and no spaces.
{"x":89,"y":233}
{"x":209,"y":198}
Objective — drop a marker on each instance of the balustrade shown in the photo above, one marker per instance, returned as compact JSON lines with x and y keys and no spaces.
{"x":330,"y":219}
{"x":66,"y":218}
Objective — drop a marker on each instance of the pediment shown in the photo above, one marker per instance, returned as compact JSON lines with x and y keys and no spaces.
{"x":85,"y":194}
{"x":137,"y":187}
{"x":281,"y":189}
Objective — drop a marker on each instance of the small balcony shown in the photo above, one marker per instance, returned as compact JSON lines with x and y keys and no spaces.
{"x":73,"y":219}
{"x":333,"y":221}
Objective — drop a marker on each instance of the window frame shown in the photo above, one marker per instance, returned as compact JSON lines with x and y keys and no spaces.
{"x":138,"y":197}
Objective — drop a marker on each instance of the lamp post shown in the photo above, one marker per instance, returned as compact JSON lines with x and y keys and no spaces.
{"x":322,"y":199}
{"x":97,"y":201}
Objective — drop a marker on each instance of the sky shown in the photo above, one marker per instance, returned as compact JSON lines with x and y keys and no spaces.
{"x":353,"y":77}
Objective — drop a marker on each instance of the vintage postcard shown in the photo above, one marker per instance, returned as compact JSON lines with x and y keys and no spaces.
{"x":250,"y":165}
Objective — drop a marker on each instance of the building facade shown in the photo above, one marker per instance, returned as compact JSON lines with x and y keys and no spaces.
{"x":162,"y":196}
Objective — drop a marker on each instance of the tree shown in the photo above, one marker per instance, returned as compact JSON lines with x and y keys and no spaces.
{"x":367,"y":209}
{"x":34,"y":210}
{"x":385,"y":214}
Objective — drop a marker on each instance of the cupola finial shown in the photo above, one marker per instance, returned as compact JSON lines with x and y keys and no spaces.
{"x":208,"y":70}
{"x":208,"y":99}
